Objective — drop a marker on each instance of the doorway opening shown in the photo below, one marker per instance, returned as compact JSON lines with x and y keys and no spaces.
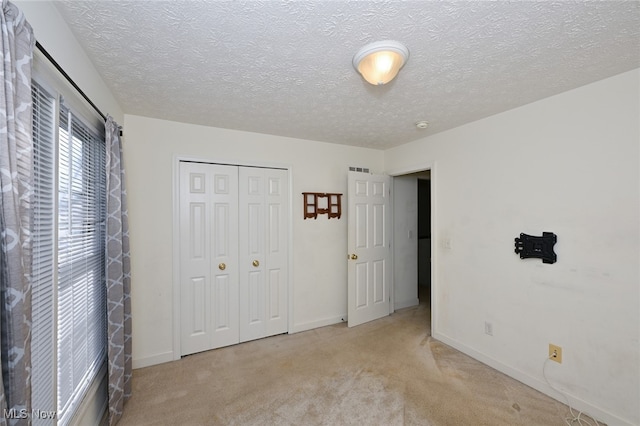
{"x":412,"y":253}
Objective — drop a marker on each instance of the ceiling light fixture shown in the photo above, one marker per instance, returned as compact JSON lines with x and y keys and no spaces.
{"x":422,"y":124}
{"x":379,"y":62}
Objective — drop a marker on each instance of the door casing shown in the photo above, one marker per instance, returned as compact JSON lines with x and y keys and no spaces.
{"x":176,"y":310}
{"x":432,"y":167}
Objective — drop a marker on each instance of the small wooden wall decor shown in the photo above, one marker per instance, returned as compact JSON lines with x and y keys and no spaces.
{"x":316,"y":203}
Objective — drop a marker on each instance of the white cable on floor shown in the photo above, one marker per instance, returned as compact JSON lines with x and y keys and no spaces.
{"x":572,"y":418}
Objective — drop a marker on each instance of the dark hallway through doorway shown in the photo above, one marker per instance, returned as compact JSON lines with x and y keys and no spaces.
{"x":424,"y":238}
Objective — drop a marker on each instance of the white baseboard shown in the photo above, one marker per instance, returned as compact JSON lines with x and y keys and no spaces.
{"x":577,"y":403}
{"x":152,"y":360}
{"x":297,"y":328}
{"x":406,"y":304}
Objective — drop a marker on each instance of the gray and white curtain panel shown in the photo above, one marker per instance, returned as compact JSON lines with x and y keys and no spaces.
{"x":118,"y":277}
{"x":16,"y":158}
{"x":16,"y":193}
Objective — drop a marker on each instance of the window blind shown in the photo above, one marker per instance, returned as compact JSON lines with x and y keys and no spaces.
{"x":42,"y":299}
{"x":81,"y":259}
{"x":69,"y":293}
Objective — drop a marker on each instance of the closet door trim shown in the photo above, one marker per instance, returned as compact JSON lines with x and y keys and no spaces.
{"x":175,"y":354}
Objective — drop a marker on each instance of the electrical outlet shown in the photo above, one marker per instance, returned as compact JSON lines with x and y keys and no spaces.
{"x":555,"y":353}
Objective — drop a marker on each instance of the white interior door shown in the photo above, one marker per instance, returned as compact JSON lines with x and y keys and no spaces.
{"x":264,"y":216}
{"x":208,"y":256}
{"x":369,"y":245}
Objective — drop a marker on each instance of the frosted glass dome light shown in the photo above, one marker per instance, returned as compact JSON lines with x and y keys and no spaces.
{"x":379,"y":62}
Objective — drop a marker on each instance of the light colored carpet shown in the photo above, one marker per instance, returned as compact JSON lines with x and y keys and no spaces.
{"x":387,"y":372}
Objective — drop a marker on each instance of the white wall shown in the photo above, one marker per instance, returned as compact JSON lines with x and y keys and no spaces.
{"x":319,"y":246}
{"x":568,"y":164}
{"x":405,"y":241}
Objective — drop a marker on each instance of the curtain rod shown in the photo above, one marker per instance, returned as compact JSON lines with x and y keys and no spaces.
{"x":70,"y":80}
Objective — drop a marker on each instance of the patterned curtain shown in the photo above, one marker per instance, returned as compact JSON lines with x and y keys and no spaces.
{"x":16,"y":152}
{"x":118,"y":277}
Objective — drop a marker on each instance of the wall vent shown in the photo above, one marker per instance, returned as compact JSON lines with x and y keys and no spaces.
{"x":358,"y":169}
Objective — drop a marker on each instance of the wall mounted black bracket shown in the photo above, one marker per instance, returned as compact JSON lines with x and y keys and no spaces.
{"x":528,"y":246}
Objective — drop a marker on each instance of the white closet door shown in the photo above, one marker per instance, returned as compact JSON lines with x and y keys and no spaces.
{"x":208,"y":256}
{"x":263,"y":240}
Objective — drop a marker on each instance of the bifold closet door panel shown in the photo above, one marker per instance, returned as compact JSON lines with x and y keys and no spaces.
{"x":209,"y":268}
{"x":263,"y":241}
{"x":277,"y":251}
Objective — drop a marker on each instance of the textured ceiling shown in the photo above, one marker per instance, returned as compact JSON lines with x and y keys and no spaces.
{"x":284,"y":67}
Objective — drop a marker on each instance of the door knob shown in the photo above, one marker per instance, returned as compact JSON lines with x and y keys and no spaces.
{"x":354,"y":256}
{"x":255,"y":263}
{"x":222,"y":266}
